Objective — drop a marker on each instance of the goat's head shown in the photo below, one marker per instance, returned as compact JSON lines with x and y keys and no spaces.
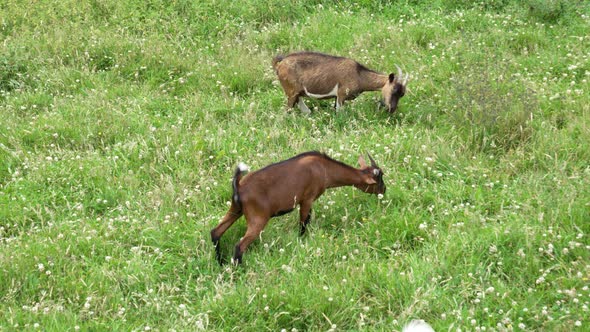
{"x":394,"y":89}
{"x":372,"y":177}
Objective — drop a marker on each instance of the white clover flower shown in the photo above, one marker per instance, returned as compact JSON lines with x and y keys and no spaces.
{"x":493,"y":249}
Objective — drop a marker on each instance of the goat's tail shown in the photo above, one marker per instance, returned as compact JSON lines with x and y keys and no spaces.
{"x":236,"y":183}
{"x":276,"y":60}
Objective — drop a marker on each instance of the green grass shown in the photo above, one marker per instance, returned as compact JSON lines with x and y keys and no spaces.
{"x":122,"y":122}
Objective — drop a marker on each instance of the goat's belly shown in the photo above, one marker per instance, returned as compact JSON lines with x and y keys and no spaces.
{"x":330,"y":94}
{"x":352,"y":96}
{"x":282,"y":212}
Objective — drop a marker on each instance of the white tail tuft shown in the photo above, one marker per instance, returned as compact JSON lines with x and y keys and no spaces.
{"x":243,"y":167}
{"x":417,"y":326}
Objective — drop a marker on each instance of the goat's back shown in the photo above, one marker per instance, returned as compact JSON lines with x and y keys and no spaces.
{"x":313,"y":61}
{"x":318,"y":73}
{"x":285,"y":181}
{"x":284,"y":171}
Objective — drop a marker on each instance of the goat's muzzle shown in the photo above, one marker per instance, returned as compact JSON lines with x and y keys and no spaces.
{"x":382,"y":188}
{"x":393,"y":106}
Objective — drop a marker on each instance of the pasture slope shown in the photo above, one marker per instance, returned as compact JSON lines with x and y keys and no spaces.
{"x":122,"y":121}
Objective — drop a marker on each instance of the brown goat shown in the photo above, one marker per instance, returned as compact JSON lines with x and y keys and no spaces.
{"x":278,"y":188}
{"x":321,"y":76}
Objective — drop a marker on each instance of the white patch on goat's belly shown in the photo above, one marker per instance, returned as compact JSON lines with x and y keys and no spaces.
{"x":332,"y":93}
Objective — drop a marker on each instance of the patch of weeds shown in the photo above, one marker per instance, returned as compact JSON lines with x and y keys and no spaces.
{"x":493,"y":111}
{"x":32,"y":104}
{"x":11,"y":75}
{"x":100,"y":10}
{"x":8,"y":163}
{"x":279,"y":39}
{"x":526,"y":42}
{"x":491,"y":5}
{"x":549,"y":11}
{"x":101,"y":59}
{"x":422,"y":36}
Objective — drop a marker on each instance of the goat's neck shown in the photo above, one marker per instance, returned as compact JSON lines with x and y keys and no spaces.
{"x":341,"y":175}
{"x":372,"y":81}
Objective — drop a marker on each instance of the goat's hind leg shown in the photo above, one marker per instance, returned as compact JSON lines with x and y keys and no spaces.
{"x":230,"y":217}
{"x":294,"y":96}
{"x":255,"y":227}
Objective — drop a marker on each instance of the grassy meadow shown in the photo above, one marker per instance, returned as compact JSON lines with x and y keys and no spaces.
{"x":122,"y":121}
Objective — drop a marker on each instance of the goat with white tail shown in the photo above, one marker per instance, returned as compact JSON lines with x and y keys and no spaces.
{"x":322,"y":76}
{"x":279,"y":188}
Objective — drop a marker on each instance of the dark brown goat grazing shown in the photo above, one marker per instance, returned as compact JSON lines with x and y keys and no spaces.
{"x":278,"y":188}
{"x":318,"y":75}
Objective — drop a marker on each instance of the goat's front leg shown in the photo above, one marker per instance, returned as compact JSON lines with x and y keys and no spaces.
{"x":340,"y":98}
{"x":304,"y":217}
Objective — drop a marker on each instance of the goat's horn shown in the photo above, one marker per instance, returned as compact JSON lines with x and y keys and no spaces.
{"x":373,"y":163}
{"x":399,"y":72}
{"x":406,"y":79}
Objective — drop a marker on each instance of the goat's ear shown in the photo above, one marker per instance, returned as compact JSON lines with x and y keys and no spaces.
{"x":391,"y":78}
{"x":362,"y":162}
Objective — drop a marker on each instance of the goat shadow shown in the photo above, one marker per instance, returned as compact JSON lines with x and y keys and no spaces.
{"x":279,"y":229}
{"x":363,"y":112}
